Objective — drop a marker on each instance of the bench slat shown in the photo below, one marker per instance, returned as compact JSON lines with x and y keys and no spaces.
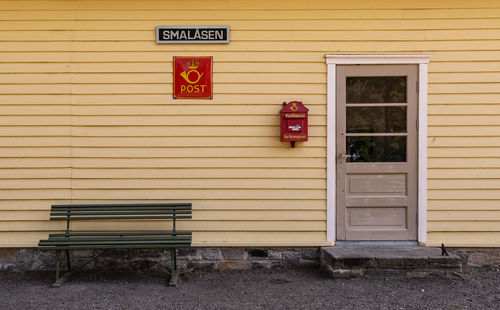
{"x":80,"y":212}
{"x":186,"y":206}
{"x":126,"y":204}
{"x":118,"y":210}
{"x":138,"y":238}
{"x":120,"y":246}
{"x":123,"y":237}
{"x":124,"y":242}
{"x":124,"y":217}
{"x":111,"y":242}
{"x":112,"y":233}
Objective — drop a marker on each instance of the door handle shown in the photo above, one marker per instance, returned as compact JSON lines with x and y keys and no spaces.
{"x":344,"y":155}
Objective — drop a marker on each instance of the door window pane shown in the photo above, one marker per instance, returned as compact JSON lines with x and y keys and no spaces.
{"x":376,"y":89}
{"x":376,"y":119}
{"x":376,"y":149}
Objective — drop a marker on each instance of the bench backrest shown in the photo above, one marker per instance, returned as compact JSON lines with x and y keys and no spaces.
{"x":142,"y":211}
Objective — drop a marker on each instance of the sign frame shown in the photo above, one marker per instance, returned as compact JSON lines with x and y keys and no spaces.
{"x":193,"y":41}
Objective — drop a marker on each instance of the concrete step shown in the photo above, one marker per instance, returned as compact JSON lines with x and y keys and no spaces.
{"x":388,"y":261}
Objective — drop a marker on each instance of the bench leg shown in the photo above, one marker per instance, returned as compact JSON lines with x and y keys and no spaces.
{"x":68,"y":262}
{"x":58,"y":256}
{"x":174,"y":272}
{"x":61,"y":280}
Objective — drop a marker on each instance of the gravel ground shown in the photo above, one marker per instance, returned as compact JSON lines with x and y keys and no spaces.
{"x":252,"y":289}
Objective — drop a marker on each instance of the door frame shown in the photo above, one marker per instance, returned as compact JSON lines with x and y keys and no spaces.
{"x":332,"y":60}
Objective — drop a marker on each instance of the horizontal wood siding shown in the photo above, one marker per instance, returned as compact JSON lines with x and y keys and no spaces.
{"x":87,"y":115}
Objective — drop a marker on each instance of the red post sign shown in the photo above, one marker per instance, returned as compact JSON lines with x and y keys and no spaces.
{"x":193,"y":77}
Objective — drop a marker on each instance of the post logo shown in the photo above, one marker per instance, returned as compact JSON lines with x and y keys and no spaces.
{"x":193,"y":65}
{"x":193,"y":78}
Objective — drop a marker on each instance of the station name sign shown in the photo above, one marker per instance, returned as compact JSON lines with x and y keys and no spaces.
{"x":192,"y":34}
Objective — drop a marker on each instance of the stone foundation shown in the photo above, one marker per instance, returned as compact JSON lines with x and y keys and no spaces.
{"x":187,"y":258}
{"x":479,"y":257}
{"x":204,"y":258}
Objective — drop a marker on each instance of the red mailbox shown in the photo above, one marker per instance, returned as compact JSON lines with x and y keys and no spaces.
{"x":294,"y":117}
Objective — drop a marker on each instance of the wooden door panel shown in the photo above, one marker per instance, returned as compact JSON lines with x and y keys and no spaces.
{"x":376,"y":218}
{"x":376,"y":168}
{"x":379,"y":235}
{"x":362,"y":184}
{"x":381,"y":201}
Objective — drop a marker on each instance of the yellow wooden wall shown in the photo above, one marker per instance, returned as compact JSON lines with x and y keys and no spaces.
{"x":86,"y":112}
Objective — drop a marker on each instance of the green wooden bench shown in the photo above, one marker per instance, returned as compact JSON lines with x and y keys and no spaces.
{"x":76,"y":240}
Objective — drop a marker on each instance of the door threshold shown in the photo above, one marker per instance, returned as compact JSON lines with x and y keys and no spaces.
{"x":376,"y":243}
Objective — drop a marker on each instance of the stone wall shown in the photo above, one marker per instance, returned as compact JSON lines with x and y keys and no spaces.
{"x":479,"y":257}
{"x":190,"y":258}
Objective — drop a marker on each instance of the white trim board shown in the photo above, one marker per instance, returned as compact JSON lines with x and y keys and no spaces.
{"x":351,"y":59}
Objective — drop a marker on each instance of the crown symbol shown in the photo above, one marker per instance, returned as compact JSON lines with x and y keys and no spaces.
{"x":193,"y":64}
